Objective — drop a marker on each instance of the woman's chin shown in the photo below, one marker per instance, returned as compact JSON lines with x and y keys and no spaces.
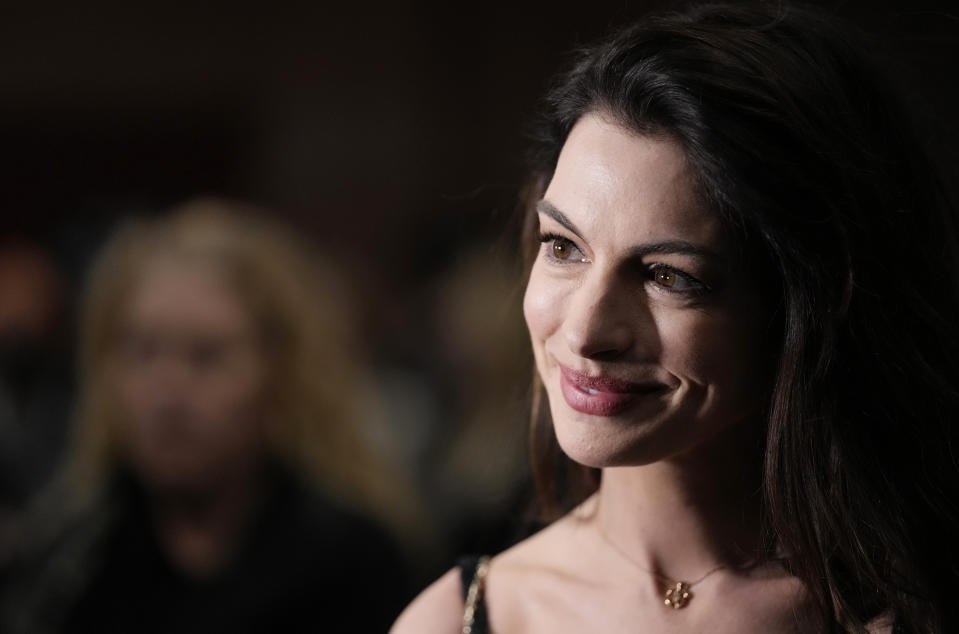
{"x":604,"y":444}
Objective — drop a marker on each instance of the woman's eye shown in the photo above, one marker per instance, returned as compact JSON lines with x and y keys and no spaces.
{"x":560,"y":248}
{"x":674,"y":280}
{"x":665,"y":277}
{"x":207,"y":354}
{"x":139,"y":349}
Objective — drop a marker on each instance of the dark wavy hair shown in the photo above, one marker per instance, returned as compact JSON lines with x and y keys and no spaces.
{"x":799,"y":144}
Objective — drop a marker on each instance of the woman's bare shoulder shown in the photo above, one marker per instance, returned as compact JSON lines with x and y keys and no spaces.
{"x":549,"y":548}
{"x":513,"y":575}
{"x":437,"y":610}
{"x":537,"y":575}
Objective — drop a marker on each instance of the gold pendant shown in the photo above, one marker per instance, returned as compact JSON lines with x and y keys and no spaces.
{"x":677,"y":596}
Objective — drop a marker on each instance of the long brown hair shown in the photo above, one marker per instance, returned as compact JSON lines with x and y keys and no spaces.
{"x":799,"y":145}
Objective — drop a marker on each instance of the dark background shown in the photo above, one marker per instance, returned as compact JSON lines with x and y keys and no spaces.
{"x":369,"y":124}
{"x":391,"y":134}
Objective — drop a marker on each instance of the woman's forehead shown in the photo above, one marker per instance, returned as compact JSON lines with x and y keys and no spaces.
{"x":179,"y":293}
{"x":630,"y":186}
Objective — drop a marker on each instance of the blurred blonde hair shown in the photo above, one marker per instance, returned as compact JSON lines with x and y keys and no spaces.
{"x":302,"y":316}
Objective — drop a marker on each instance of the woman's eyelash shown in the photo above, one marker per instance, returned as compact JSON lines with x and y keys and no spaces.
{"x":672,"y":280}
{"x":562,"y":248}
{"x":546,"y":237}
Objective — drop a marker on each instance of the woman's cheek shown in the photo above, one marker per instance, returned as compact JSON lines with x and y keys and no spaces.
{"x":543,"y":306}
{"x":711,"y":352}
{"x":687,"y":344}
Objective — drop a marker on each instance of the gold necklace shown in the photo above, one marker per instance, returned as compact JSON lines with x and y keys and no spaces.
{"x":677,"y":593}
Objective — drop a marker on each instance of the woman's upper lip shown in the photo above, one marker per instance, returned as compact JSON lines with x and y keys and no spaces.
{"x":604,"y":383}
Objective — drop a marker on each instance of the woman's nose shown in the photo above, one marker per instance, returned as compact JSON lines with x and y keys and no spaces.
{"x":605,"y":320}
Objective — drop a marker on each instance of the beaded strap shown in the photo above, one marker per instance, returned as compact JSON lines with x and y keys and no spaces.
{"x":475,"y":594}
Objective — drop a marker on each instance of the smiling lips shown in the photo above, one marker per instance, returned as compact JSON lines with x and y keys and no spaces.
{"x":600,"y":395}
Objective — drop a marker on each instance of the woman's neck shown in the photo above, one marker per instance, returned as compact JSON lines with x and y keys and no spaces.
{"x":682,"y":517}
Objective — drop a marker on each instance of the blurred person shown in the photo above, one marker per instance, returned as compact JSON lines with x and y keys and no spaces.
{"x":35,"y":383}
{"x":219,"y":481}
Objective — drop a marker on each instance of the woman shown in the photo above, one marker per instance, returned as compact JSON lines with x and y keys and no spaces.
{"x":742,"y":310}
{"x":220,"y":481}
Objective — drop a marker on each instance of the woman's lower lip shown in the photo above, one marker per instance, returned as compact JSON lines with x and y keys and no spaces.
{"x":594,"y":402}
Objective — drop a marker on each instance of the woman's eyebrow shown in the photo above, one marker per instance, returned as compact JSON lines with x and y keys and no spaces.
{"x":545,"y":207}
{"x":677,"y":247}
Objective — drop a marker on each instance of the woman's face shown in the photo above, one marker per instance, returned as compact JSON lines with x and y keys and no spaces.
{"x":645,"y":329}
{"x":189,"y":379}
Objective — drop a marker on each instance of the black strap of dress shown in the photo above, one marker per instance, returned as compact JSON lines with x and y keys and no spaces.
{"x":473,"y":575}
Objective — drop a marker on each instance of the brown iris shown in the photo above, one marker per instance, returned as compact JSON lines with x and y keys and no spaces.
{"x":561,"y":249}
{"x":665,"y":277}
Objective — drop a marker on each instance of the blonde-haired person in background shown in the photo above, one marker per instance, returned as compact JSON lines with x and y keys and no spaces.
{"x":219,"y":480}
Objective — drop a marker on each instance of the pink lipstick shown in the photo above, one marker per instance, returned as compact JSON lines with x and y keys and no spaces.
{"x":602,"y":395}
